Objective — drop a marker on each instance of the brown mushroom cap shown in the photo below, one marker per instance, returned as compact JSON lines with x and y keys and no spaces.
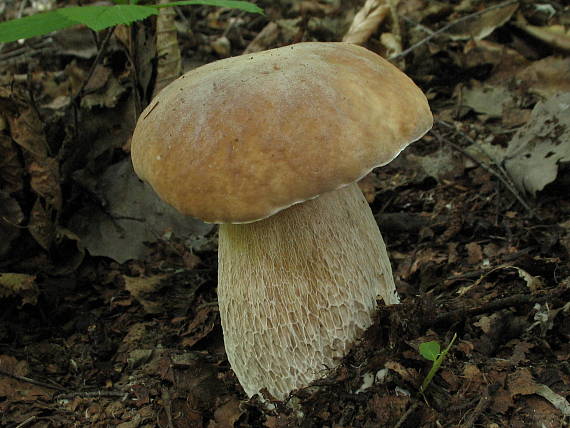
{"x":243,"y":138}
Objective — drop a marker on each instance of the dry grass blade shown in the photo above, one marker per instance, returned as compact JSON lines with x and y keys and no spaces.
{"x":366,"y":21}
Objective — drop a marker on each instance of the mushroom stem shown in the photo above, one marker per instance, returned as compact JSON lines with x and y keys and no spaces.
{"x":296,"y":289}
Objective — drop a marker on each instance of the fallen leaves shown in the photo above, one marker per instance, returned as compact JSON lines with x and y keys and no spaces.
{"x":14,"y":386}
{"x":536,"y":151}
{"x":138,"y":342}
{"x":19,"y":285}
{"x":484,"y":23}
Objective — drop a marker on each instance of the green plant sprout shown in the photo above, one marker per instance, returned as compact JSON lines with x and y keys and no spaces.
{"x":432,"y":351}
{"x":99,"y":17}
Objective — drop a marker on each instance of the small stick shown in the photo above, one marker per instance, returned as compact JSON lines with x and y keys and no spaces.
{"x":495,"y":305}
{"x":94,"y":64}
{"x":93,"y":394}
{"x":405,"y":416}
{"x":510,"y":187}
{"x":417,"y":24}
{"x":448,"y":26}
{"x":481,"y":406}
{"x":26,"y":422}
{"x":32,"y":381}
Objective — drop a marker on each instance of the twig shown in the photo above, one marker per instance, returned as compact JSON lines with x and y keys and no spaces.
{"x":481,"y":406}
{"x":32,"y":381}
{"x":417,"y":24}
{"x":405,"y":416}
{"x":502,"y":175}
{"x":448,"y":26}
{"x":24,"y":53}
{"x":27,"y":421}
{"x":167,"y":407}
{"x":74,"y":106}
{"x":94,"y":64}
{"x":92,"y":394}
{"x":516,"y":300}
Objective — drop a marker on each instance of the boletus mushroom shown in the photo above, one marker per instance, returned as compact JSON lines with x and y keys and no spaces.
{"x":271,"y":145}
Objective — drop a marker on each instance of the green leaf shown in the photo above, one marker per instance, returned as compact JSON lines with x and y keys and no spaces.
{"x":31,"y":26}
{"x":430,"y":350}
{"x":436,"y":363}
{"x":230,"y":4}
{"x":100,"y":17}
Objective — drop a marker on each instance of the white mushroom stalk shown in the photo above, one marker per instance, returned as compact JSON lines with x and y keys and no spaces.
{"x":298,"y":288}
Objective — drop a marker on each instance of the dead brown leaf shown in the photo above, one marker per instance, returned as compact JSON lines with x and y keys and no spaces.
{"x":536,"y":151}
{"x":519,"y":352}
{"x":41,"y":226}
{"x":521,"y":383}
{"x":202,"y":324}
{"x":408,"y":374}
{"x":15,"y":389}
{"x":483,"y":25}
{"x":11,"y":170}
{"x":502,"y":401}
{"x":555,"y":35}
{"x":99,"y":78}
{"x":28,"y":132}
{"x":389,"y":409}
{"x":19,"y":285}
{"x":472,"y":372}
{"x":227,"y":414}
{"x":474,"y":252}
{"x":45,"y":181}
{"x":425,"y":256}
{"x":546,"y":77}
{"x":505,"y":61}
{"x":11,"y":216}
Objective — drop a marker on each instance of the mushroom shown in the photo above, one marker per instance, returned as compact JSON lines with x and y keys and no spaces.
{"x":271,"y":145}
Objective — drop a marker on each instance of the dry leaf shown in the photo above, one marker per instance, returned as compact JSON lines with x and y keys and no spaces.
{"x":487,"y":99}
{"x":202,"y":324}
{"x":11,"y":170}
{"x":481,"y":26}
{"x":27,"y":130}
{"x":486,"y":323}
{"x":471,"y":372}
{"x":134,"y":215}
{"x":555,"y":399}
{"x":227,"y":414}
{"x":19,"y":285}
{"x":475,"y":253}
{"x":366,"y":21}
{"x":536,"y":151}
{"x":532,"y":282}
{"x":146,"y":291}
{"x":264,"y":39}
{"x":546,"y":77}
{"x":45,"y":181}
{"x":521,"y":383}
{"x":556,"y":36}
{"x":41,"y":226}
{"x":11,"y":216}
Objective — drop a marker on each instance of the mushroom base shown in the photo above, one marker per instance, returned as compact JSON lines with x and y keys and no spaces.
{"x":298,"y":288}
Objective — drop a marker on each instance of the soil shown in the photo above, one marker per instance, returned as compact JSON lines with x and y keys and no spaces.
{"x":90,"y":339}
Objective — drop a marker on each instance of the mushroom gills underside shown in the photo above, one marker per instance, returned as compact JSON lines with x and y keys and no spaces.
{"x":297,"y":289}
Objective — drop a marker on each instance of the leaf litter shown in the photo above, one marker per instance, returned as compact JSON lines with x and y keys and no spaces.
{"x":109,"y":320}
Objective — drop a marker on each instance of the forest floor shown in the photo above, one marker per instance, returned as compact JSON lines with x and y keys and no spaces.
{"x":104,"y":322}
